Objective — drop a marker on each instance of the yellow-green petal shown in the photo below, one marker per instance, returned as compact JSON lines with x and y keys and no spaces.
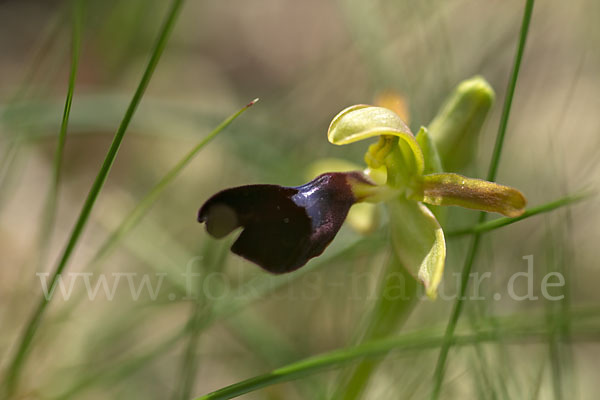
{"x":363,"y":121}
{"x":418,"y":242}
{"x":457,"y":190}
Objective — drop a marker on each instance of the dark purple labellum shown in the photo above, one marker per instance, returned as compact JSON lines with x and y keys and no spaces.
{"x":284,"y":227}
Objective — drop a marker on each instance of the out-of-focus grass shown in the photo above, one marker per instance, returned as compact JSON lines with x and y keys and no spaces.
{"x":413,"y":341}
{"x":306,"y":60}
{"x":13,"y":373}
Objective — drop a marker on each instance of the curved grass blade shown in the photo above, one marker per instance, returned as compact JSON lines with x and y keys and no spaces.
{"x":438,"y":376}
{"x":22,"y":349}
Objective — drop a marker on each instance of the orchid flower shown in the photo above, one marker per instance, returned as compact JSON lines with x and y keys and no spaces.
{"x":284,"y":227}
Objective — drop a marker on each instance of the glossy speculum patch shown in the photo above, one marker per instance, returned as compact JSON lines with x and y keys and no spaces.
{"x":283,"y":227}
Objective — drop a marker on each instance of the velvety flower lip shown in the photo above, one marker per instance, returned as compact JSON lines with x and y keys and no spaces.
{"x":283,"y":227}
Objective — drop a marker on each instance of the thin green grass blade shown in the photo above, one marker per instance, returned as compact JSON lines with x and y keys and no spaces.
{"x":488,"y":226}
{"x":512,"y":85}
{"x":246,"y":295}
{"x":558,"y":327}
{"x":388,"y":314}
{"x":499,"y":378}
{"x":482,"y":373}
{"x":438,"y":376}
{"x":526,"y":331}
{"x":118,"y":373}
{"x":189,"y":364}
{"x":49,"y":214}
{"x":190,"y":356}
{"x":271,"y":348}
{"x":555,"y":352}
{"x":9,"y":157}
{"x":14,"y":143}
{"x":144,"y":205}
{"x":140,"y":210}
{"x":15,"y":367}
{"x":537,"y":382}
{"x":481,"y":383}
{"x":49,"y":36}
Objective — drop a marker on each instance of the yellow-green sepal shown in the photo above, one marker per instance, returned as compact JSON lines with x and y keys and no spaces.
{"x":418,"y":242}
{"x":456,"y":190}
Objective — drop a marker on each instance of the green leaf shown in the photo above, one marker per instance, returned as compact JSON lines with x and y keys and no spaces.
{"x":457,"y":190}
{"x":418,"y":241}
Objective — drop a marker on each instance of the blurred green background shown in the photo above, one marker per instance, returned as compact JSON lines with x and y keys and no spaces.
{"x":305,"y":60}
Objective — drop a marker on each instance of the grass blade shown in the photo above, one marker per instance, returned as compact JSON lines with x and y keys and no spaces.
{"x":524,"y":331}
{"x":24,"y":345}
{"x":144,"y":205}
{"x":440,"y":367}
{"x":189,"y":365}
{"x":504,"y":221}
{"x":512,"y":85}
{"x":49,"y":214}
{"x":227,"y":307}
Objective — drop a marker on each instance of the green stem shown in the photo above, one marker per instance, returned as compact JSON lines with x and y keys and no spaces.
{"x":501,"y":222}
{"x":23,"y":347}
{"x":440,"y":368}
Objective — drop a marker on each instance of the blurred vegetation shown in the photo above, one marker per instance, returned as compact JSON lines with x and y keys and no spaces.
{"x":305,"y":61}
